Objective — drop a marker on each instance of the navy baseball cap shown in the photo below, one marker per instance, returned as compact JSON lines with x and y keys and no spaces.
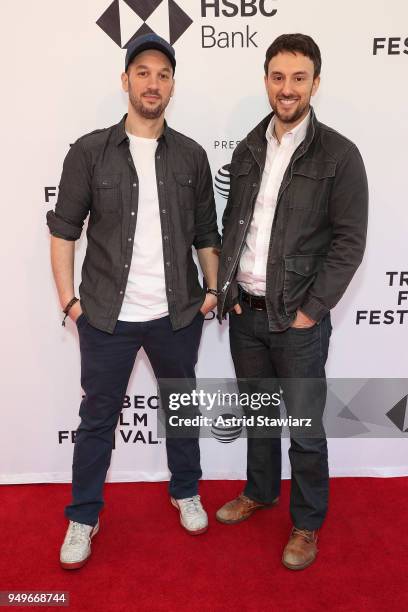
{"x":150,"y":41}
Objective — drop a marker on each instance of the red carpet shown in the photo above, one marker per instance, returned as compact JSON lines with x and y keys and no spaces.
{"x":143,"y":560}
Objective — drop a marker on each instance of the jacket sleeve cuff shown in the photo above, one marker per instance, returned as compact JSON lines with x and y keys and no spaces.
{"x":314,"y":309}
{"x":62,"y":229}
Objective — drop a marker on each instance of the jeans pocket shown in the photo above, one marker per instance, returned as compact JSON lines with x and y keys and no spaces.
{"x":303,"y":330}
{"x":80,"y":319}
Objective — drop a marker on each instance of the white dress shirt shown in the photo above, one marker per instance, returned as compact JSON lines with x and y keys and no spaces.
{"x":251,"y":273}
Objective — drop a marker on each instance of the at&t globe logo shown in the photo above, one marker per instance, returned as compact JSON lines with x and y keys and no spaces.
{"x":226,"y":428}
{"x":223,"y":181}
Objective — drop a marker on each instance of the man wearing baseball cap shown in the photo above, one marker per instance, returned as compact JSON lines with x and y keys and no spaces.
{"x":148,"y":192}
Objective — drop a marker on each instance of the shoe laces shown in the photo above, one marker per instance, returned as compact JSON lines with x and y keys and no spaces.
{"x":305,"y":534}
{"x":78,"y":534}
{"x":191,"y":505}
{"x":245,"y":499}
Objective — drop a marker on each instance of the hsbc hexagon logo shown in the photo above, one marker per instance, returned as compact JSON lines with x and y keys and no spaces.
{"x":123,"y":20}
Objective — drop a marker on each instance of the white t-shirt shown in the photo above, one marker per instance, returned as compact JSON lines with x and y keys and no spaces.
{"x":145,"y":296}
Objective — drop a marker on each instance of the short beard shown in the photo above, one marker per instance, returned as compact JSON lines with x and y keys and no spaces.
{"x":145,"y":111}
{"x":292,"y":118}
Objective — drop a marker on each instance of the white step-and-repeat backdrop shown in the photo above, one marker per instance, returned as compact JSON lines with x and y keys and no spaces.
{"x":61,"y":66}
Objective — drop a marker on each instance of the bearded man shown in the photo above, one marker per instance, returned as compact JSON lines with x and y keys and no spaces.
{"x":148,"y":192}
{"x":294,"y":234}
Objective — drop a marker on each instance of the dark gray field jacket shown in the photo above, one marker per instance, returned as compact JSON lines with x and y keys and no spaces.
{"x":319,"y":229}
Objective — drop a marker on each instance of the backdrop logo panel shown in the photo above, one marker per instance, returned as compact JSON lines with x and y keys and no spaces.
{"x":123,"y":20}
{"x":370,"y":322}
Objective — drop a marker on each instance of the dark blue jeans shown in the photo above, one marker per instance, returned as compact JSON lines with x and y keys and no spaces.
{"x":293,"y":354}
{"x":107,"y":361}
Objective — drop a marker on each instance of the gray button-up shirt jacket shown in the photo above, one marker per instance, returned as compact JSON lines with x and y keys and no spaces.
{"x":100,"y":179}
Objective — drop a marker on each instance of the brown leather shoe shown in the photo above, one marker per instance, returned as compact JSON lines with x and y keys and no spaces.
{"x":239,"y":509}
{"x":301,"y":550}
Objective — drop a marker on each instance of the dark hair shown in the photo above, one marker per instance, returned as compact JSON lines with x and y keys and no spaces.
{"x":295,"y":43}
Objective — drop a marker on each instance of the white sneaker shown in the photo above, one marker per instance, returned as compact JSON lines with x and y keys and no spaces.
{"x":193,"y":517}
{"x":76,"y":548}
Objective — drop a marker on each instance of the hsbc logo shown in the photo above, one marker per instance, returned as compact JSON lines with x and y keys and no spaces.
{"x":123,"y":20}
{"x":238,"y":8}
{"x":244,"y":38}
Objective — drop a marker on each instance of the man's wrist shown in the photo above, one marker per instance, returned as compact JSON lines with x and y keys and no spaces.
{"x":68,"y":307}
{"x":213,"y":291}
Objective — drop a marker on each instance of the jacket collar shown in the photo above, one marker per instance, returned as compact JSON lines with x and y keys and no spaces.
{"x":256,"y":139}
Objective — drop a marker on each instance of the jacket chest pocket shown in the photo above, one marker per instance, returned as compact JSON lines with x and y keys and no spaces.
{"x":310,"y":185}
{"x":240,"y":175}
{"x":107,"y":189}
{"x":185,"y":184}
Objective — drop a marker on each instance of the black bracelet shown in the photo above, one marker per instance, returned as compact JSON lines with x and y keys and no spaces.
{"x":213,"y":292}
{"x":68,"y":308}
